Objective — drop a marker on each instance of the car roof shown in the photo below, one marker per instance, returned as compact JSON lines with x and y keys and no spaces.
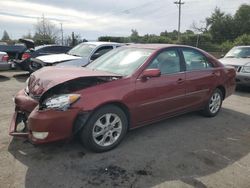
{"x":46,"y":45}
{"x":99,"y":43}
{"x":241,"y":46}
{"x":156,"y":46}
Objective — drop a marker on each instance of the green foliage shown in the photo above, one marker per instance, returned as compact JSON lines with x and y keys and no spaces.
{"x":242,"y":19}
{"x":242,"y":40}
{"x":114,"y":39}
{"x":226,"y":46}
{"x":225,"y":27}
{"x":5,"y":37}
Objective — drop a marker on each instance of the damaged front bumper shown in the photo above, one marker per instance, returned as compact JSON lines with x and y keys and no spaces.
{"x":40,"y":126}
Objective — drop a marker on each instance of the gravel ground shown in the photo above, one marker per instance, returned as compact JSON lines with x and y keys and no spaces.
{"x":186,"y":151}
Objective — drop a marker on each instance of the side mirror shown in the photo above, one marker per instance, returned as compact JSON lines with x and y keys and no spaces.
{"x":222,"y":55}
{"x":149,"y":73}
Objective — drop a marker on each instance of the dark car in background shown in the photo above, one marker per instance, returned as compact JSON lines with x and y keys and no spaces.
{"x":124,"y":89}
{"x":25,"y":62}
{"x":80,"y":55}
{"x":13,"y":51}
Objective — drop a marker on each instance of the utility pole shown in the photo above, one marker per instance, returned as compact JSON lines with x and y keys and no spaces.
{"x":73,"y":39}
{"x":179,"y":3}
{"x":62,"y":32}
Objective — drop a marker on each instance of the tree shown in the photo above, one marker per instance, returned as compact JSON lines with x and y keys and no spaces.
{"x":221,"y":26}
{"x":27,"y":36}
{"x":45,"y":32}
{"x":5,"y":36}
{"x":242,"y":20}
{"x":134,"y":37}
{"x":74,"y":39}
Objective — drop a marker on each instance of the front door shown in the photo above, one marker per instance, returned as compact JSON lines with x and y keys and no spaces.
{"x":158,"y":96}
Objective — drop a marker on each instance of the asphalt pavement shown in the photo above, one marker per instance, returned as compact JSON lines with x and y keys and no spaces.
{"x":185,"y":151}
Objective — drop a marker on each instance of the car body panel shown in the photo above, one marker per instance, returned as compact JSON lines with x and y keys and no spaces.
{"x":38,"y":86}
{"x":144,"y":100}
{"x":161,"y":95}
{"x":4,"y":65}
{"x":54,"y":58}
{"x":242,"y":78}
{"x":77,"y":61}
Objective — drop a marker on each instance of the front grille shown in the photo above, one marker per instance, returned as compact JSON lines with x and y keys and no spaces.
{"x":237,"y":68}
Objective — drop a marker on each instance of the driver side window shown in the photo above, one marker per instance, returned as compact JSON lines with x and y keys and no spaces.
{"x":168,"y":62}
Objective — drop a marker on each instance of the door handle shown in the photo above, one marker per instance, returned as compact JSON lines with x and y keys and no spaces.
{"x":180,"y":81}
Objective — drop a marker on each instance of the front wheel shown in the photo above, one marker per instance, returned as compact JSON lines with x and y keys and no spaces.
{"x":214,"y":103}
{"x":105,"y":129}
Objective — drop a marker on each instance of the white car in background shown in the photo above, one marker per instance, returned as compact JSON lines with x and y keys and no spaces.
{"x":4,"y":64}
{"x":239,"y":57}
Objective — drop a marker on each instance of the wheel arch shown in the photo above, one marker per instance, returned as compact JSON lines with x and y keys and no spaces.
{"x":223,"y":90}
{"x":82,"y":118}
{"x":119,"y":104}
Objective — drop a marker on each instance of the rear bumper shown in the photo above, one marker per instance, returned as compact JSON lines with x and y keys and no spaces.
{"x":5,"y":66}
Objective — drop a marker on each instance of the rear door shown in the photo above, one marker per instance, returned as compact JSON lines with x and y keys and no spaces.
{"x":200,"y":77}
{"x":158,"y":96}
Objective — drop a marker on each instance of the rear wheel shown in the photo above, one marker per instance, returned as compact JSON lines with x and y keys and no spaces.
{"x":105,"y":129}
{"x":214,"y":103}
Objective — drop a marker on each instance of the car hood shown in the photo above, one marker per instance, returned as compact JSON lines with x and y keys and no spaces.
{"x":47,"y":77}
{"x":235,"y":61}
{"x":75,"y":63}
{"x":56,"y":58}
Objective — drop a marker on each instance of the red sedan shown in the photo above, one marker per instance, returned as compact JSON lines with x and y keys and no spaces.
{"x":126,"y":88}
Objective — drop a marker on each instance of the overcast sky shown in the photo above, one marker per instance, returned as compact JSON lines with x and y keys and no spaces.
{"x":95,"y":18}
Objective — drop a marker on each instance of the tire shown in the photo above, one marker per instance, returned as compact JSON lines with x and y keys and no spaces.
{"x":105,"y":129}
{"x":214,"y":103}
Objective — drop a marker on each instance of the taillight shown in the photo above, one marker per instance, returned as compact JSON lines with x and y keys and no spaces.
{"x":5,"y":58}
{"x":25,"y":56}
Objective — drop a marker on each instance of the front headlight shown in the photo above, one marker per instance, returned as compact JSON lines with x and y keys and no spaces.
{"x":60,"y":102}
{"x":27,"y":86}
{"x":246,"y":68}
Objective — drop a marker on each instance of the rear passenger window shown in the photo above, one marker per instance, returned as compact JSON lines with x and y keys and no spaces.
{"x":167,"y":61}
{"x":195,"y":60}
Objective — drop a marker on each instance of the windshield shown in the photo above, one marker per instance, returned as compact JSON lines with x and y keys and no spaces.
{"x":239,"y":52}
{"x":82,"y":50}
{"x":121,"y":61}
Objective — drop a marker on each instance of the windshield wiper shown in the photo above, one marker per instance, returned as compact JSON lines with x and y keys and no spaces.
{"x":230,"y":56}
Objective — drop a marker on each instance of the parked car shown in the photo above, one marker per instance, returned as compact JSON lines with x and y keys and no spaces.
{"x":239,"y":58}
{"x":78,"y":56}
{"x":25,"y":61}
{"x":4,"y":65}
{"x":124,"y":89}
{"x":16,"y":51}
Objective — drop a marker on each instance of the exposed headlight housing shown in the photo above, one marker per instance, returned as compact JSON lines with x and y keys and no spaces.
{"x":246,"y":68}
{"x":27,"y":86}
{"x":60,"y":102}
